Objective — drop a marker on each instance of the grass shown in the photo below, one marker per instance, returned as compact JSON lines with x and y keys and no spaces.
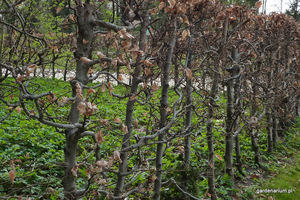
{"x":285,"y":185}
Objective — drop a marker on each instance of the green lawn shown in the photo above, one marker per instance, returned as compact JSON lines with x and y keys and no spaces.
{"x":285,"y":185}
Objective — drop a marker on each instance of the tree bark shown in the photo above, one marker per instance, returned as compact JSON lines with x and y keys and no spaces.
{"x":130,"y":105}
{"x":163,"y":108}
{"x":253,"y":133}
{"x":72,"y":136}
{"x":188,"y":120}
{"x":237,"y":97}
{"x":229,"y":128}
{"x":210,"y":139}
{"x":269,"y":129}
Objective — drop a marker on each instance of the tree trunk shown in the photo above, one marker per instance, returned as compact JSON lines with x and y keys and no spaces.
{"x":229,"y":128}
{"x":163,"y":109}
{"x":210,"y":140}
{"x":269,"y":129}
{"x":255,"y":146}
{"x":72,"y":135}
{"x":275,"y":127}
{"x":237,"y":91}
{"x":253,"y":133}
{"x":130,"y":105}
{"x":188,"y":120}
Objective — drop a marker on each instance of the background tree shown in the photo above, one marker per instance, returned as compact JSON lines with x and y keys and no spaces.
{"x":294,"y":10}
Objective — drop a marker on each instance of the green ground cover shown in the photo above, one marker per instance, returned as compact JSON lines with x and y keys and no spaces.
{"x":36,"y":152}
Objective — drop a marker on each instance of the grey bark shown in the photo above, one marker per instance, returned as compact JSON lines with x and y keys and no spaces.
{"x":210,"y":139}
{"x":130,"y":106}
{"x":188,"y":120}
{"x":86,"y":29}
{"x":269,"y":129}
{"x":253,"y":132}
{"x":163,"y":106}
{"x":269,"y":112}
{"x":235,"y":56}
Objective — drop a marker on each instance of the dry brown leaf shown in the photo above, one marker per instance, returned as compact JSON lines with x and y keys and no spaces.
{"x":124,"y":129}
{"x":85,"y":60}
{"x":55,"y":49}
{"x":18,"y":109}
{"x":147,"y":71}
{"x":32,"y":112}
{"x":152,"y":179}
{"x":74,"y":170}
{"x":91,"y":91}
{"x":84,"y":41}
{"x":58,"y":9}
{"x":72,"y":17}
{"x":120,"y":77}
{"x":126,"y":44}
{"x":219,"y":157}
{"x":184,"y":34}
{"x":148,"y":63}
{"x":103,"y":121}
{"x":117,"y":120}
{"x":188,"y":73}
{"x":99,"y":137}
{"x":110,"y":162}
{"x":30,"y":69}
{"x":88,"y":173}
{"x":101,"y":181}
{"x":12,"y":175}
{"x":101,"y":163}
{"x":79,"y":90}
{"x":128,"y":67}
{"x":258,"y":4}
{"x":181,"y":149}
{"x":132,"y":98}
{"x":90,"y":71}
{"x":81,"y":108}
{"x":100,"y":55}
{"x":103,"y":87}
{"x":186,"y":20}
{"x":136,"y":123}
{"x":117,"y":156}
{"x":172,"y":3}
{"x":205,"y":194}
{"x":114,"y":62}
{"x":20,"y":78}
{"x":161,"y":5}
